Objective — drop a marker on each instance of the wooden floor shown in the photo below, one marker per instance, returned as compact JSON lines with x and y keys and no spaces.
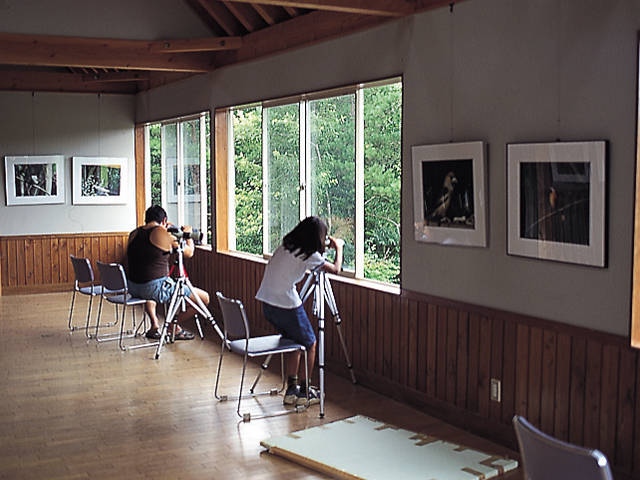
{"x":73,"y":409}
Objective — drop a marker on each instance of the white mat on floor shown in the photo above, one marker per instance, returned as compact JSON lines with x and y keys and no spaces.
{"x":363,"y":448}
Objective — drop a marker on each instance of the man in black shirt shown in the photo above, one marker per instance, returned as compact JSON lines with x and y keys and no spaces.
{"x":148,"y":253}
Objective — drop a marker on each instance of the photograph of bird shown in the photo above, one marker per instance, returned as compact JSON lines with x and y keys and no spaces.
{"x":442,"y":204}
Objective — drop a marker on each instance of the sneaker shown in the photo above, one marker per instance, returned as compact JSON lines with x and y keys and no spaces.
{"x":291,"y":395}
{"x":314,"y":396}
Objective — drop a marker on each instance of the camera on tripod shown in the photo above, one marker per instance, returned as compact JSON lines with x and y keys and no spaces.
{"x":195,"y":234}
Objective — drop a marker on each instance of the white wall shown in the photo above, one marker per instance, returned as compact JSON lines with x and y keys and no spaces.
{"x":69,"y":125}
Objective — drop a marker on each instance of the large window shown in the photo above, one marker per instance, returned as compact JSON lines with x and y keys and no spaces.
{"x":178,"y":157}
{"x":332,"y":154}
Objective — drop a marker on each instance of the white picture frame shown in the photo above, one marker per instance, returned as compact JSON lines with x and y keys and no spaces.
{"x":99,"y":180}
{"x":34,"y":179}
{"x":556,"y":201}
{"x":450,"y":193}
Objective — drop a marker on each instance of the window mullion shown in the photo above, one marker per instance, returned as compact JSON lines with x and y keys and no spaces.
{"x":266,"y":220}
{"x":305,"y":160}
{"x":359,"y":174}
{"x":163,"y":168}
{"x":204,"y":227}
{"x":231,"y":182}
{"x":180,"y":171}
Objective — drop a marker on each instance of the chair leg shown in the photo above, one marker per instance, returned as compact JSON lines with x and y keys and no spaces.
{"x":86,"y":326}
{"x":124,"y":310}
{"x":73,"y":300}
{"x":222,"y":398}
{"x":246,"y":417}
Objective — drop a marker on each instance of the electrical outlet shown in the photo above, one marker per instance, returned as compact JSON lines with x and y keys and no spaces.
{"x":496,"y":390}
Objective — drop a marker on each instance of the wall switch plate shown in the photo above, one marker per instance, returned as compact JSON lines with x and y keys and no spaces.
{"x":496,"y":390}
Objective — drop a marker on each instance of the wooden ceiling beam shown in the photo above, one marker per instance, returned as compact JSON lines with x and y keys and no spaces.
{"x":384,"y":8}
{"x":221,"y":15}
{"x":58,"y":51}
{"x":246,"y":15}
{"x":64,"y":82}
{"x":190,"y":45}
{"x":299,"y":31}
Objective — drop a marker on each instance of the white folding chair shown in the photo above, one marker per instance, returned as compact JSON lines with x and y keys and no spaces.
{"x":116,"y":291}
{"x":84,"y":284}
{"x":238,"y":339}
{"x":547,"y":458}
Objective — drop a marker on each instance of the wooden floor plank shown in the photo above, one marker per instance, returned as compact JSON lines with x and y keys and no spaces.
{"x":73,"y":409}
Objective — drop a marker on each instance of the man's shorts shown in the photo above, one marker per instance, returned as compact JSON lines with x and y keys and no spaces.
{"x":291,"y":323}
{"x":160,"y":289}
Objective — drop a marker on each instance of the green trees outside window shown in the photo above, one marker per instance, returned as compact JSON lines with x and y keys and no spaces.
{"x":335,"y":156}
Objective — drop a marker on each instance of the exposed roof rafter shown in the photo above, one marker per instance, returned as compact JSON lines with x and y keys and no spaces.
{"x":241,"y":30}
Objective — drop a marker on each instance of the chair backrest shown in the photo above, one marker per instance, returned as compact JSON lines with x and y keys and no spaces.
{"x":547,"y":458}
{"x":234,"y":317}
{"x":82,"y":270}
{"x":113,"y":277}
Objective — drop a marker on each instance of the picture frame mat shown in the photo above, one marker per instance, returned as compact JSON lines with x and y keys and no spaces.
{"x":117,"y":162}
{"x":474,"y":151}
{"x":594,"y":153}
{"x":12,"y":162}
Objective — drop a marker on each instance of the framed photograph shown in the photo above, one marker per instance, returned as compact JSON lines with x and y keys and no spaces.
{"x":449,"y":193}
{"x":557,"y":201}
{"x":34,"y":179}
{"x":99,"y":180}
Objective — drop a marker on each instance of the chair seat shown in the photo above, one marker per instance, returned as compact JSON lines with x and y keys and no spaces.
{"x":269,"y":344}
{"x":120,"y":299}
{"x":95,"y":290}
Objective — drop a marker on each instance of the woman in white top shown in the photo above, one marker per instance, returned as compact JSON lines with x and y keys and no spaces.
{"x":302,"y":249}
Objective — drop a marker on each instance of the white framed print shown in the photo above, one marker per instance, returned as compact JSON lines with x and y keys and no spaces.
{"x":99,"y":180}
{"x":449,"y":193}
{"x":556,"y":201}
{"x":34,"y":179}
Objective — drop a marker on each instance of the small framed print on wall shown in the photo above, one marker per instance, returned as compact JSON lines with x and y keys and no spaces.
{"x":34,"y":179}
{"x":449,"y":193}
{"x":99,"y":180}
{"x":556,"y":201}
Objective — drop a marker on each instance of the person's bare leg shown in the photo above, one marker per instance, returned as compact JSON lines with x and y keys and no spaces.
{"x":311,"y":361}
{"x":150,"y":309}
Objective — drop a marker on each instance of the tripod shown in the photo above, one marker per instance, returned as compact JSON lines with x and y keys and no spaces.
{"x":179,"y":301}
{"x":318,"y":283}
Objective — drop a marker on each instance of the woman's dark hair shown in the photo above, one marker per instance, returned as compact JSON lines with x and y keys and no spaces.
{"x":306,"y":238}
{"x":155,"y":213}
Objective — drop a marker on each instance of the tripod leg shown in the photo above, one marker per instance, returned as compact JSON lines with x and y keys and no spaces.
{"x":319,"y":293}
{"x":263,"y":367}
{"x":200,"y":307}
{"x":331,"y":302}
{"x":308,"y":287}
{"x":197,"y":320}
{"x":170,"y":313}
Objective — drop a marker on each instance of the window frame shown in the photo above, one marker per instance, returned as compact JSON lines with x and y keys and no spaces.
{"x":181,"y":200}
{"x":224,"y":167}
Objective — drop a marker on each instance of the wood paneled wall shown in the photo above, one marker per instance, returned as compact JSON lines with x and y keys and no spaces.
{"x":576,"y":384}
{"x":40,"y":263}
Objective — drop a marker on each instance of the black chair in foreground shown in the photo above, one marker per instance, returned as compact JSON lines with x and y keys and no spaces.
{"x":238,"y":339}
{"x":547,"y":458}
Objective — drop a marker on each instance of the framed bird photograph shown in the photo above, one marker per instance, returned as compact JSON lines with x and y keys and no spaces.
{"x":556,"y":201}
{"x":449,"y":193}
{"x":99,"y":180}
